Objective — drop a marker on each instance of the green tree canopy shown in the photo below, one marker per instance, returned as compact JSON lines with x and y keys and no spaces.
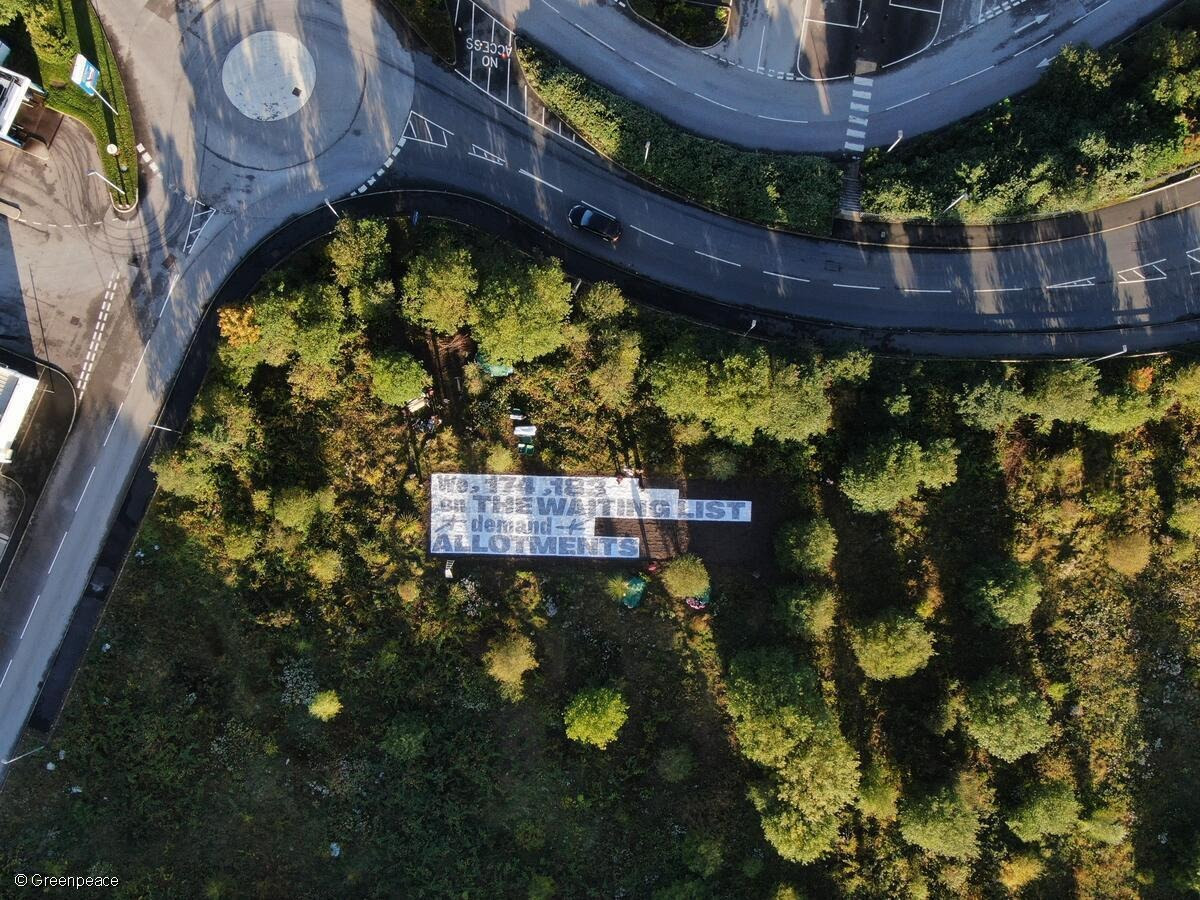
{"x":1005,"y":594}
{"x":508,"y":658}
{"x":807,"y":609}
{"x":941,"y":822}
{"x":782,"y":723}
{"x":1185,"y":517}
{"x":1005,"y":717}
{"x":879,"y":792}
{"x":518,"y":315}
{"x":741,"y":394}
{"x":439,"y":284}
{"x":808,"y":544}
{"x":397,"y":378}
{"x":893,"y":645}
{"x":1048,"y":808}
{"x":893,"y":470}
{"x":685,"y":576}
{"x":616,"y":355}
{"x":595,"y":716}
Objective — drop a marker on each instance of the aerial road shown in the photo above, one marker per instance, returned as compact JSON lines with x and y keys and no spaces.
{"x":255,"y":113}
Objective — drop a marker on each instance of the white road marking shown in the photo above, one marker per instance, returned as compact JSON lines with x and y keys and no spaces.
{"x":1090,"y":281}
{"x":650,"y":234}
{"x":114,"y":424}
{"x":777,"y":119}
{"x":1031,"y":46}
{"x":540,"y":180}
{"x":861,"y":95}
{"x":170,"y":290}
{"x":1141,"y":277}
{"x":863,"y":82}
{"x":593,"y":37}
{"x":140,"y":360}
{"x":5,"y":675}
{"x":925,"y":291}
{"x":487,"y":155}
{"x":906,"y":102}
{"x":860,"y":107}
{"x":58,"y":551}
{"x":997,"y":290}
{"x":715,"y":102}
{"x":655,"y":74}
{"x":972,"y":75}
{"x":1090,"y":11}
{"x":30,"y":617}
{"x":728,"y":262}
{"x":857,"y":287}
{"x":855,"y":133}
{"x":786,"y":277}
{"x":85,"y":487}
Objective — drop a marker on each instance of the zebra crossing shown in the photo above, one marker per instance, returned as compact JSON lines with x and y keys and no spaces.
{"x":860,"y":108}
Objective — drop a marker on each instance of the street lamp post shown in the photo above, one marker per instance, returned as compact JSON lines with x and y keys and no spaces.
{"x":9,"y":762}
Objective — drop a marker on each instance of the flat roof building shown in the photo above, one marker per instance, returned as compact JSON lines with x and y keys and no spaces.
{"x":16,"y":396}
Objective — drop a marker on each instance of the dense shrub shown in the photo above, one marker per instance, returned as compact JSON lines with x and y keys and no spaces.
{"x":808,"y":610}
{"x":894,"y":645}
{"x":507,"y":659}
{"x":771,"y":188}
{"x":685,"y":576}
{"x":1129,"y":554}
{"x":1005,"y":594}
{"x":1049,"y":808}
{"x":397,"y":378}
{"x":808,"y":544}
{"x":1130,"y":120}
{"x":1007,"y":718}
{"x":595,"y":716}
{"x":893,"y":470}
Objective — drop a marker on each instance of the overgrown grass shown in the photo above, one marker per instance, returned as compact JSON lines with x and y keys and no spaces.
{"x":700,"y":26}
{"x":57,"y":31}
{"x":1100,"y":127}
{"x":797,"y":192}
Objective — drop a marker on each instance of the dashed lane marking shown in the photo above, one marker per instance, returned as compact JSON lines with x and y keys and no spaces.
{"x":925,"y":291}
{"x":655,"y":74}
{"x":997,"y":290}
{"x":786,"y":277}
{"x":906,"y":102}
{"x":114,"y":424}
{"x":540,"y":180}
{"x":5,"y":675}
{"x":972,"y":75}
{"x":86,"y":484}
{"x":651,"y":235}
{"x":857,"y":287}
{"x":29,"y":618}
{"x":1090,"y":11}
{"x":1031,"y":46}
{"x":58,"y":551}
{"x":728,"y":262}
{"x":715,"y":102}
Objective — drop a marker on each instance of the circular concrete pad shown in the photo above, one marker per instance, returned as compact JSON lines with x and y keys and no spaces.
{"x":269,"y":76}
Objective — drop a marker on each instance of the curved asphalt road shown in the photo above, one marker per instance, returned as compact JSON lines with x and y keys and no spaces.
{"x":380,"y":118}
{"x":737,"y":104}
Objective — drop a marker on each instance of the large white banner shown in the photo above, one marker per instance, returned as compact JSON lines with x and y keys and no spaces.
{"x":554,"y":515}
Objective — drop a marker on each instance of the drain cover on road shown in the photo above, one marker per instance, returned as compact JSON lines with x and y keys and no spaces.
{"x":269,"y":76}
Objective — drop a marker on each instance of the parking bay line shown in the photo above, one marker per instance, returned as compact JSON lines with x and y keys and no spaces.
{"x":29,"y":618}
{"x":650,"y":234}
{"x":540,"y":180}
